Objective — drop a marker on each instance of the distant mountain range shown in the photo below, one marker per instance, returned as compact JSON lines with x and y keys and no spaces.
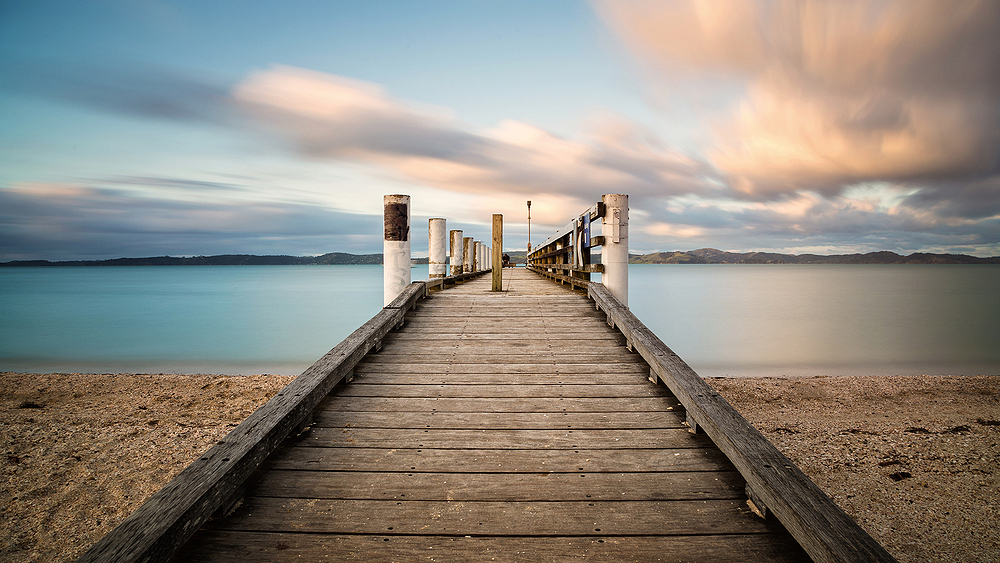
{"x":700,"y":256}
{"x":333,"y":258}
{"x":715,"y":256}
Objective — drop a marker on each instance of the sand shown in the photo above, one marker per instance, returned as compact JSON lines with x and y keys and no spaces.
{"x":913,"y":460}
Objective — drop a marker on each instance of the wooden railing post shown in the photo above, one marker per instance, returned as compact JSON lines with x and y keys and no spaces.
{"x":614,"y":254}
{"x":497,"y":264}
{"x":456,"y":252}
{"x":436,"y":248}
{"x":396,"y":246}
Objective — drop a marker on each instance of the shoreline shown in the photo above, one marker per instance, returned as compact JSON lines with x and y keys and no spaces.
{"x":913,"y":459}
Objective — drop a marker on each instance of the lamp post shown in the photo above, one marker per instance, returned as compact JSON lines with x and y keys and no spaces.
{"x":529,"y":230}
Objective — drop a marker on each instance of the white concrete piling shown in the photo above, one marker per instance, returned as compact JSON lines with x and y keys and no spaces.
{"x":396,"y":246}
{"x":614,"y":254}
{"x":457,"y":250}
{"x":437,"y":244}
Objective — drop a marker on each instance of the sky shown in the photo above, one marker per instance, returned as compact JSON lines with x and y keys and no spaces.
{"x":183,"y":127}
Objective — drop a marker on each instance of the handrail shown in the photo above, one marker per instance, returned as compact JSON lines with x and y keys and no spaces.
{"x":566,"y":255}
{"x":595,"y":211}
{"x":774,"y":483}
{"x":213,"y":483}
{"x":568,"y":250}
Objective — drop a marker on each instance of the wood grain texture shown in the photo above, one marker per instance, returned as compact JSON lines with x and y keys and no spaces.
{"x":239,"y":547}
{"x":825,"y":531}
{"x":169,"y":518}
{"x":516,"y":416}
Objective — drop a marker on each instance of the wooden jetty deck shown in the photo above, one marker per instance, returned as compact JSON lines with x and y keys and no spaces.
{"x":511,"y":426}
{"x":472,"y":425}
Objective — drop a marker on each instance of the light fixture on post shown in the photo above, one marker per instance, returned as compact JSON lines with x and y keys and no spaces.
{"x":529,"y":229}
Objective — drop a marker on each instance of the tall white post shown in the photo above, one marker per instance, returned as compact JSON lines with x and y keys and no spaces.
{"x":467,"y":254}
{"x":456,"y":252}
{"x":396,"y":246}
{"x":614,"y":254}
{"x":436,"y":248}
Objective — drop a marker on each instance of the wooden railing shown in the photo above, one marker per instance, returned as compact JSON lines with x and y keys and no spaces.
{"x":774,"y":484}
{"x":213,"y":484}
{"x":566,"y":255}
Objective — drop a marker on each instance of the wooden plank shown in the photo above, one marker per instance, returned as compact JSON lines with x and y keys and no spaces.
{"x":239,"y":547}
{"x":600,"y":405}
{"x":509,"y":320}
{"x":513,"y":358}
{"x":519,"y":341}
{"x":823,"y":529}
{"x":332,"y":418}
{"x":571,"y":518}
{"x":479,"y":379}
{"x":508,"y":461}
{"x":362,"y":389}
{"x":495,"y":348}
{"x":580,"y":374}
{"x":507,"y":487}
{"x":567,"y":310}
{"x":591,"y":338}
{"x":566,"y":439}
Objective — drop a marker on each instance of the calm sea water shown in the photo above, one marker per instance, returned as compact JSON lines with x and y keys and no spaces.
{"x":724,"y":320}
{"x":824,"y":319}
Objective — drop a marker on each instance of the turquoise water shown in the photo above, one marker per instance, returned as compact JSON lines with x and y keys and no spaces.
{"x":824,"y":319}
{"x":723,"y":319}
{"x":214,"y":319}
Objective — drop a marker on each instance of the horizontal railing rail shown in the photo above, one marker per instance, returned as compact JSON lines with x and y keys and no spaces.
{"x":774,"y":484}
{"x":566,"y":255}
{"x":213,"y":483}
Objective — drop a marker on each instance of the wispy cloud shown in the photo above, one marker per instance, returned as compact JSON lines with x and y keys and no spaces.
{"x":143,"y":91}
{"x":334,"y":117}
{"x":71,"y":221}
{"x":835,"y":92}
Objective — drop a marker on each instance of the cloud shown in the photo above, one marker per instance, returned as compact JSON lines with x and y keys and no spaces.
{"x":835,"y":92}
{"x":327,"y":116}
{"x":144,"y":91}
{"x":72,"y":221}
{"x":865,"y":217}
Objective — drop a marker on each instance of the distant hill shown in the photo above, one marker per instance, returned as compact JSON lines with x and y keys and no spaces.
{"x":333,"y":258}
{"x":715,"y":256}
{"x":700,"y":256}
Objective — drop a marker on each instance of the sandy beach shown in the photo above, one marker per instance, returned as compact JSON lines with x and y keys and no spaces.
{"x":913,"y":460}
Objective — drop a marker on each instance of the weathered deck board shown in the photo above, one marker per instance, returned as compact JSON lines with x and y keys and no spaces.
{"x":502,"y":438}
{"x":240,"y":547}
{"x":536,"y":390}
{"x":495,"y":420}
{"x":497,"y":426}
{"x":497,"y":487}
{"x":508,"y":460}
{"x":436,"y":404}
{"x":402,"y":516}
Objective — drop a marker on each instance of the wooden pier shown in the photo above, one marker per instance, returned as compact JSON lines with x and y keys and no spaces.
{"x":511,"y":426}
{"x":463,"y":424}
